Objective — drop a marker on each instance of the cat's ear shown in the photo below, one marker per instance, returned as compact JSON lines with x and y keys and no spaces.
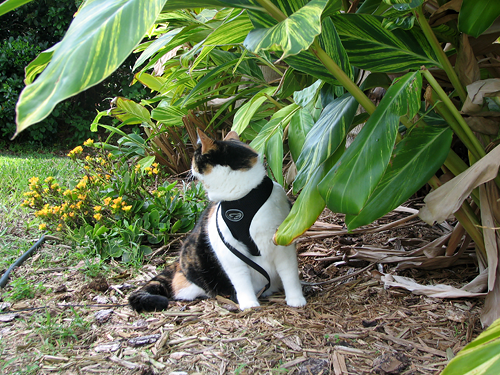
{"x":207,"y":143}
{"x":232,"y":135}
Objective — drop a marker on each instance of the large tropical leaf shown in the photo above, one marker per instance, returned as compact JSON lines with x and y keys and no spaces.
{"x":325,"y":137}
{"x":292,"y":35}
{"x":415,"y":159}
{"x":347,"y":187}
{"x":371,"y":47}
{"x":480,"y":357}
{"x":9,"y":5}
{"x":278,"y":121}
{"x":308,"y":205}
{"x":129,"y":112}
{"x":98,"y":40}
{"x":233,"y":31}
{"x":247,"y":111}
{"x":477,"y":15}
{"x":300,"y":124}
{"x":330,"y":42}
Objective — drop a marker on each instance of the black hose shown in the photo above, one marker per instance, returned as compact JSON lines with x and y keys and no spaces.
{"x":5,"y":277}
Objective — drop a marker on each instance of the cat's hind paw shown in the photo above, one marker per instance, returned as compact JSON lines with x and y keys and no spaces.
{"x":298,"y":301}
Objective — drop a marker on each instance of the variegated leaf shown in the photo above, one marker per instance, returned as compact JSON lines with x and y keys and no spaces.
{"x":325,"y":137}
{"x":9,"y":5}
{"x":98,"y":40}
{"x":330,"y":42}
{"x":350,"y":183}
{"x":371,"y":47}
{"x":292,"y":35}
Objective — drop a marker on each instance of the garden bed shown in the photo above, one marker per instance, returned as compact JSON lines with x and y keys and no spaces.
{"x":351,"y":324}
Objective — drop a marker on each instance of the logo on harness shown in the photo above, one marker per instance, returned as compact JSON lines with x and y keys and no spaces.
{"x":234,"y":215}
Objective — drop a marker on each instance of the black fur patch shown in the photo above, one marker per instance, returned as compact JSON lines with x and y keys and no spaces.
{"x":230,"y":153}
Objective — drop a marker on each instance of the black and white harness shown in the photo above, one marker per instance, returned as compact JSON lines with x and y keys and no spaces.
{"x":238,"y":216}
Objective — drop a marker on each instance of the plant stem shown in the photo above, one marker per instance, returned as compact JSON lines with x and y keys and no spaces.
{"x":441,"y":55}
{"x":463,"y":129}
{"x":327,"y":61}
{"x":272,"y":9}
{"x":343,"y":78}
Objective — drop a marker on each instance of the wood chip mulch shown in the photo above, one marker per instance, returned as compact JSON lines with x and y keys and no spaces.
{"x":349,"y":326}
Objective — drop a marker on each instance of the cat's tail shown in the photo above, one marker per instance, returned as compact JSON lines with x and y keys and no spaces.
{"x":156,"y":293}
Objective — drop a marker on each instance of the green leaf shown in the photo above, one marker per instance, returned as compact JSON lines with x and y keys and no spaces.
{"x":477,"y":15}
{"x":158,"y":44}
{"x":130,"y":112}
{"x":97,"y":42}
{"x":347,"y":187}
{"x":330,"y":42}
{"x":480,"y":357}
{"x":308,"y":206}
{"x":292,"y":35}
{"x":38,"y":65}
{"x":233,"y":31}
{"x":371,"y":47}
{"x":274,"y":155}
{"x":9,"y":5}
{"x":305,"y":211}
{"x":279,"y":120}
{"x":169,"y":115}
{"x":248,"y":110}
{"x":300,"y":124}
{"x":325,"y":137}
{"x":150,"y":81}
{"x":415,"y":159}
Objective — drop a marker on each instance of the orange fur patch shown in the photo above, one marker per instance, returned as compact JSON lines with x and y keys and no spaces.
{"x":179,"y":282}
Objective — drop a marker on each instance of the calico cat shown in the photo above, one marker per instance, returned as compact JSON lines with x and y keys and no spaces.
{"x":246,"y":209}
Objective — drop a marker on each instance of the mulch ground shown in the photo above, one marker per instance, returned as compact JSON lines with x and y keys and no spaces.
{"x":351,"y":324}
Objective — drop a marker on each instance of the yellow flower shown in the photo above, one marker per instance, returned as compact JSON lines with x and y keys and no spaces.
{"x":82,"y":197}
{"x":77,"y":150}
{"x":34,"y":180}
{"x":88,"y":142}
{"x":97,"y":208}
{"x":110,"y":156}
{"x":117,"y":200}
{"x":155,"y":170}
{"x":155,"y":165}
{"x":126,"y":208}
{"x":59,"y":227}
{"x":42,"y":226}
{"x":54,"y":186}
{"x":107,"y":200}
{"x":71,"y":214}
{"x":137,"y":167}
{"x":98,"y":216}
{"x":49,"y":179}
{"x":67,"y":192}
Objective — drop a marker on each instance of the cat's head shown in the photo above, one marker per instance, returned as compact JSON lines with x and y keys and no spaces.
{"x":226,"y":166}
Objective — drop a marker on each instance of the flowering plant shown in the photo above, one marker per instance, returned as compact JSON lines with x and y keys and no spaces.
{"x":120,"y":206}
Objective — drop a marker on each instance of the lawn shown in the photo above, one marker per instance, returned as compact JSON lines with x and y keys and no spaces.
{"x":18,"y":226}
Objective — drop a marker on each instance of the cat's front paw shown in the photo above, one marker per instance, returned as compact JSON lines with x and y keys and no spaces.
{"x":298,"y":301}
{"x":248,"y":304}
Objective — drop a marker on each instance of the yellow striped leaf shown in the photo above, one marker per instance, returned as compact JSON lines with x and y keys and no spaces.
{"x":98,"y":40}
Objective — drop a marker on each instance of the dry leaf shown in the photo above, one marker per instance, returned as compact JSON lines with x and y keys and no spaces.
{"x":478,"y":90}
{"x":483,"y":125}
{"x":491,"y":309}
{"x":448,"y":198}
{"x":489,"y":235}
{"x":445,"y":12}
{"x":436,"y":291}
{"x":466,"y":66}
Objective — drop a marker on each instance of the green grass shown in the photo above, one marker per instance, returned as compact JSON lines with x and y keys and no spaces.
{"x":18,"y":225}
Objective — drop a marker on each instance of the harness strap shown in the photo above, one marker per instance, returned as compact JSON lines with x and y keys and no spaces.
{"x":244,"y":258}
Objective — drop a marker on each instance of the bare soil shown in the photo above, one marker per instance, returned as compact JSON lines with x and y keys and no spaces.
{"x":351,"y":324}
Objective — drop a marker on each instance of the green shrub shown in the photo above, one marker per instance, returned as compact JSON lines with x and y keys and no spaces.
{"x":117,"y":206}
